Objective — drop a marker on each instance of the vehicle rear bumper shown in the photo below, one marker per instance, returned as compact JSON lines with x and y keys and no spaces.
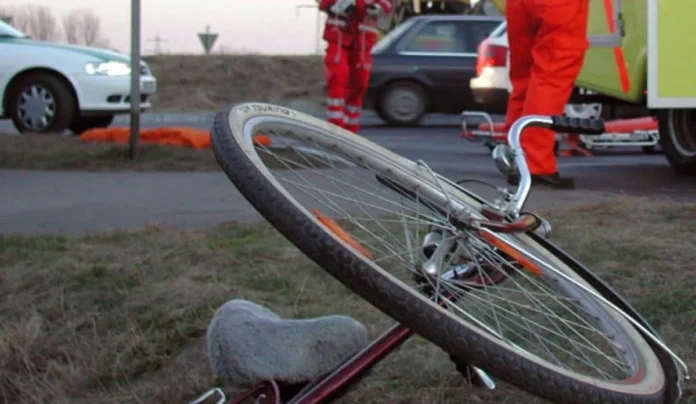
{"x":492,"y":100}
{"x":490,"y":89}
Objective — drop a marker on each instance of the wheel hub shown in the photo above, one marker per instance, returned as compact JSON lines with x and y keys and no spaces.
{"x":583,"y":110}
{"x":404,"y":104}
{"x":36,"y":107}
{"x":437,"y":249}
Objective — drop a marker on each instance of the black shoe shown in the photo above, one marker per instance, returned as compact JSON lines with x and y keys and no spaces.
{"x":550,"y":180}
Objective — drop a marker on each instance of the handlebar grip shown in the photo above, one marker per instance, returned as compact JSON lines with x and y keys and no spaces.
{"x":581,"y":126}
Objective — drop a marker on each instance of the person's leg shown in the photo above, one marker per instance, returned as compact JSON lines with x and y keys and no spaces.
{"x":558,"y":52}
{"x":336,"y":66}
{"x":521,"y":30}
{"x":360,"y":71}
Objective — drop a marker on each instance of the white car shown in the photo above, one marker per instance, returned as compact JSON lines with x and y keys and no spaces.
{"x":491,"y":86}
{"x":51,"y":87}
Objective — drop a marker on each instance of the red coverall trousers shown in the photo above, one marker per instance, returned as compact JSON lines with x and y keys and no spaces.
{"x":548,"y":41}
{"x":337,"y":73}
{"x":360,"y":61}
{"x":348,"y":70}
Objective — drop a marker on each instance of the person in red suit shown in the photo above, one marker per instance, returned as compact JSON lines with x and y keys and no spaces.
{"x":365,"y":23}
{"x":548,"y":42}
{"x":350,"y":32}
{"x":339,"y":36}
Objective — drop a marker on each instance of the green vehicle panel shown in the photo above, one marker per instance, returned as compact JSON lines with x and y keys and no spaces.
{"x":601,"y":72}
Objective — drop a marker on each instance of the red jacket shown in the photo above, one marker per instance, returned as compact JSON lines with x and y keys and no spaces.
{"x":338,"y":28}
{"x":365,"y":24}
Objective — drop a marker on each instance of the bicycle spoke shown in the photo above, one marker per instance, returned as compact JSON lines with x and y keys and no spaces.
{"x":520,"y":308}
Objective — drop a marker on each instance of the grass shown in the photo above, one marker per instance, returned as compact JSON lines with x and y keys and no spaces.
{"x":122,"y":316}
{"x":56,"y":152}
{"x":207,"y":83}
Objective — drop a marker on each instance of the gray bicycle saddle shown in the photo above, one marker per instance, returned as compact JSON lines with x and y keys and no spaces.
{"x":249,"y":344}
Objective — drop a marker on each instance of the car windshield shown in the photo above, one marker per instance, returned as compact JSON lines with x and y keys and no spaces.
{"x":388,"y":39}
{"x":8,"y":31}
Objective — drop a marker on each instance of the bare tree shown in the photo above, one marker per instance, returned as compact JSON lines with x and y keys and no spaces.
{"x":5,"y":15}
{"x":36,"y":21}
{"x":83,"y":27}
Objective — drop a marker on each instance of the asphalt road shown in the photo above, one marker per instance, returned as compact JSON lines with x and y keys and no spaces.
{"x":203,"y":120}
{"x":71,"y":202}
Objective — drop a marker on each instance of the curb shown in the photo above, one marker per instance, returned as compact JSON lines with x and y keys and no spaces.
{"x":168,"y":117}
{"x":150,"y":118}
{"x":369,"y":119}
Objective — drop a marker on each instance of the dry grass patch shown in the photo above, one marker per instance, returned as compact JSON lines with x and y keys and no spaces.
{"x":57,"y":152}
{"x":121,"y":317}
{"x":199,"y":83}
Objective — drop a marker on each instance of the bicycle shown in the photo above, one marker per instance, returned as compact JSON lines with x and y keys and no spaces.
{"x":461,"y":256}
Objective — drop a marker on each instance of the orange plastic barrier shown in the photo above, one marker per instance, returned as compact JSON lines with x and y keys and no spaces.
{"x":171,"y":136}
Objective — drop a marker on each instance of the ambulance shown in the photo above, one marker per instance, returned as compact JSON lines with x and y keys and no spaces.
{"x":642,"y":54}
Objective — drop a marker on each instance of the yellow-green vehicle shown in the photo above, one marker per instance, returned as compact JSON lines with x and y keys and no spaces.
{"x":647,"y":60}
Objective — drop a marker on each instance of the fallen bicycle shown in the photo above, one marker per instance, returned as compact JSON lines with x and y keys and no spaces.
{"x":479,"y":279}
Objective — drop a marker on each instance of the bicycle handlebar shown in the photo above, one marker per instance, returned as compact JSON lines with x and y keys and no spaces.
{"x":556,"y":123}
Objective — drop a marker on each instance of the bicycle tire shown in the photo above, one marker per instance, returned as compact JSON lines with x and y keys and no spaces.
{"x":393,"y":297}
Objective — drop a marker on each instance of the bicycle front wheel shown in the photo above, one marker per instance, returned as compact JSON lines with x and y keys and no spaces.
{"x":372,"y":218}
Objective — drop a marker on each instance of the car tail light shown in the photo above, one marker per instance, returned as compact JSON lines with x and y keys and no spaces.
{"x":490,"y":56}
{"x":481,"y":56}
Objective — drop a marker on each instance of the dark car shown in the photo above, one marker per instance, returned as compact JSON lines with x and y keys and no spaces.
{"x":424,"y":66}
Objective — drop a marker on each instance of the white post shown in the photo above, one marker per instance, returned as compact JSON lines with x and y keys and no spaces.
{"x":317,"y":35}
{"x":135,"y":80}
{"x":318,"y":32}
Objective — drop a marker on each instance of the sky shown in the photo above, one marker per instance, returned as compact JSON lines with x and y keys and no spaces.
{"x":260,"y":26}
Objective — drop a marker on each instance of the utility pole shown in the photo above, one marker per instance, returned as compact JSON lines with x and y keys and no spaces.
{"x":134,"y":143}
{"x":317,"y":33}
{"x":158,"y":40}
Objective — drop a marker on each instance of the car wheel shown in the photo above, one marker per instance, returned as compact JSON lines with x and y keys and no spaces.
{"x":678,"y":138}
{"x":403,"y":103}
{"x":584,"y":111}
{"x":83,"y":124}
{"x":41,"y":103}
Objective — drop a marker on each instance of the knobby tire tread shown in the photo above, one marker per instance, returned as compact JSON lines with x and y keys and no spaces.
{"x":390,"y":298}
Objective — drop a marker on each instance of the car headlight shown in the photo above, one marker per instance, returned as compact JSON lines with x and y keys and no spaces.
{"x":108,"y":68}
{"x":145,"y":69}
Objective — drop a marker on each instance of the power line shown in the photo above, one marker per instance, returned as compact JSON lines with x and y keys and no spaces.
{"x":158,"y":40}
